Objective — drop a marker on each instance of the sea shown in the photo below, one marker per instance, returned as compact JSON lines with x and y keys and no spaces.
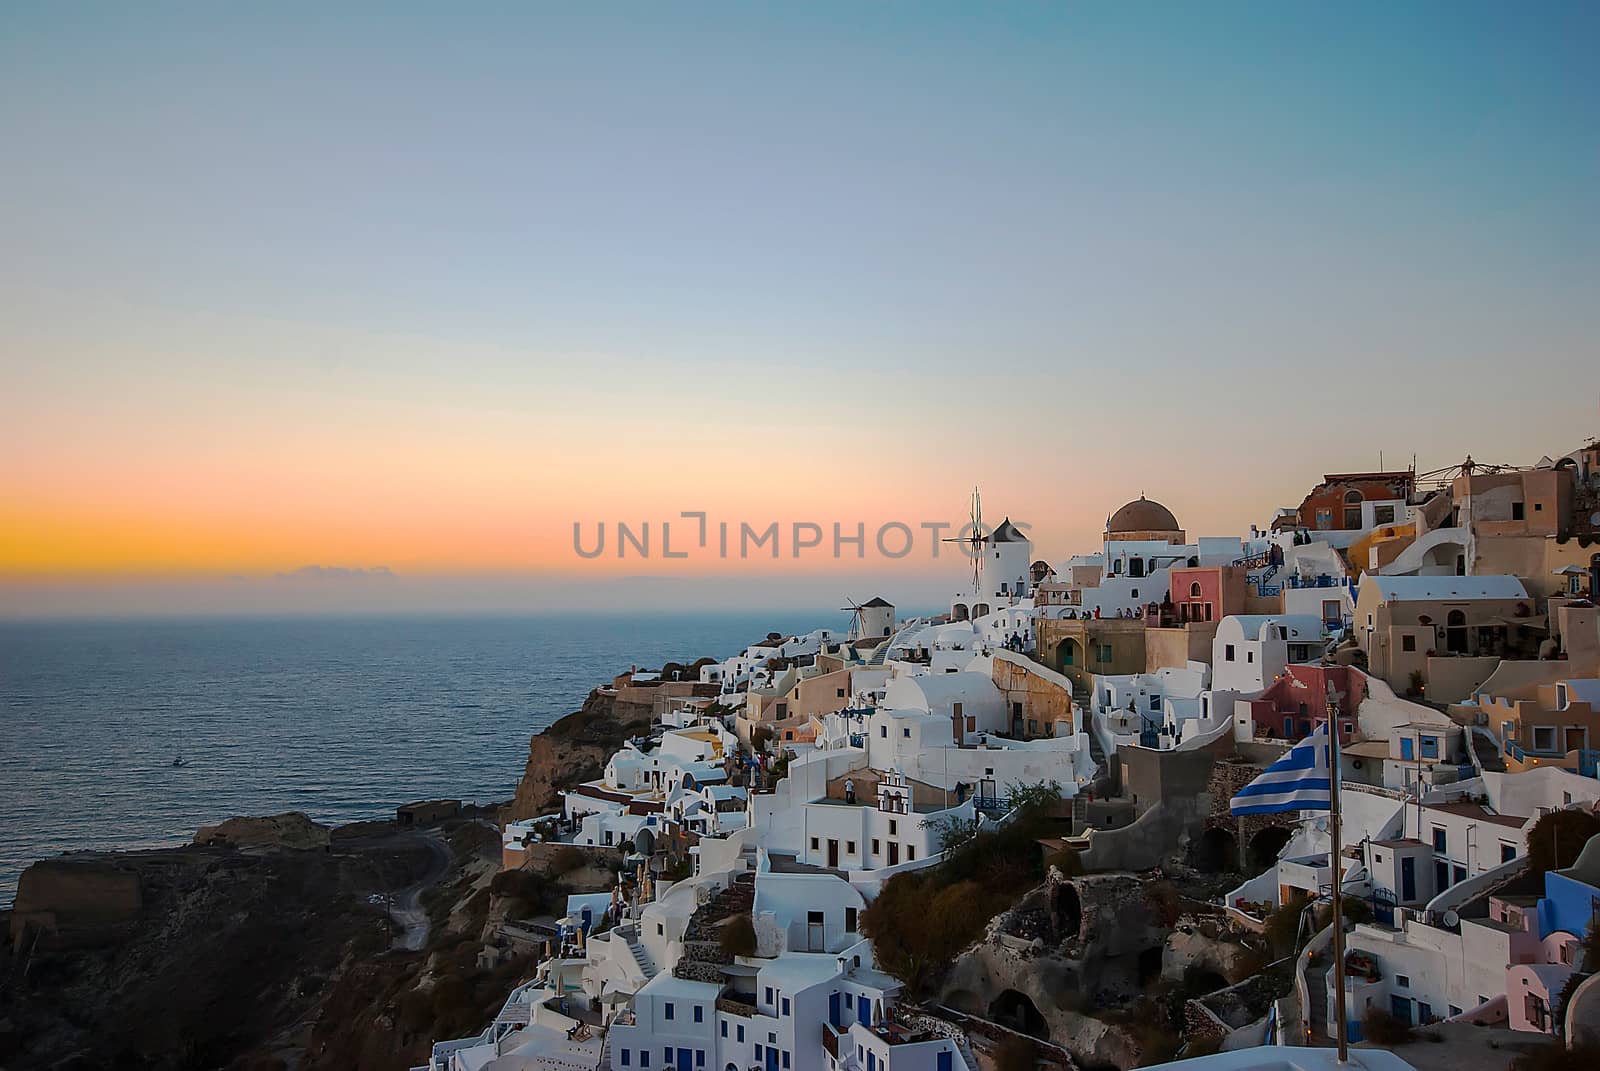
{"x":342,"y":718}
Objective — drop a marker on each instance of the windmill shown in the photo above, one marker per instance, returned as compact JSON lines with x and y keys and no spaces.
{"x":854,"y":609}
{"x":975,"y":539}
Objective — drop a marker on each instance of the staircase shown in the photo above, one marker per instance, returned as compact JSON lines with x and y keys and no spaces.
{"x":1486,"y":751}
{"x":965,"y":1048}
{"x":646,"y":965}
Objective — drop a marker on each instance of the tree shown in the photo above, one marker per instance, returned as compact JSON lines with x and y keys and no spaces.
{"x":1557,"y":837}
{"x":1384,"y":1028}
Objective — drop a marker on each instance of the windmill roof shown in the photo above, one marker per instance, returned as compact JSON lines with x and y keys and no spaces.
{"x":878,"y":600}
{"x":1008,"y":533}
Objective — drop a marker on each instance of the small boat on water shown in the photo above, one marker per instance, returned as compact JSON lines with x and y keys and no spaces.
{"x":179,"y":761}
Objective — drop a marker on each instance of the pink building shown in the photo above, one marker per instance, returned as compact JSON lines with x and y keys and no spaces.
{"x":1296,"y":704}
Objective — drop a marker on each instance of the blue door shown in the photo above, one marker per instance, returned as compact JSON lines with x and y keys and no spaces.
{"x":1408,"y":880}
{"x":772,"y":1058}
{"x":944,"y":1061}
{"x":1401,"y":1006}
{"x":1405,"y":747}
{"x":833,"y":1010}
{"x":685,"y":1060}
{"x":864,"y":1007}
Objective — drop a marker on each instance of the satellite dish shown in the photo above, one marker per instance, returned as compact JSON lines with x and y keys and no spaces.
{"x":1452,"y":918}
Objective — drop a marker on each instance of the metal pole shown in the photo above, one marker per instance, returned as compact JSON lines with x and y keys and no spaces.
{"x":1335,"y":865}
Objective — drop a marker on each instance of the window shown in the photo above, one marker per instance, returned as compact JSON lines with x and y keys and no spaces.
{"x":1430,"y":746}
{"x":699,"y":1013}
{"x":786,"y":1005}
{"x":849,"y":926}
{"x":769,"y":994}
{"x":739,"y":1033}
{"x":1135,"y":593}
{"x":785,"y":1057}
{"x":1194,"y":590}
{"x":875,"y":849}
{"x":883,"y":732}
{"x":671,"y":1011}
{"x":815,"y":844}
{"x":911,"y":852}
{"x":1383,"y":514}
{"x":1227,"y":653}
{"x":1408,"y":643}
{"x":724,"y":1025}
{"x":1403,"y":981}
{"x":1250,"y":657}
{"x":1544,"y":738}
{"x":849,"y":847}
{"x":906,"y":732}
{"x":838,"y":693}
{"x":1438,"y":839}
{"x":894,"y":827}
{"x":1517,"y":512}
{"x":627,"y":1057}
{"x":1508,"y":852}
{"x":644,"y":1058}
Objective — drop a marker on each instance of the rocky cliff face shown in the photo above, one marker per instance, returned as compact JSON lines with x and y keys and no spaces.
{"x":573,"y":750}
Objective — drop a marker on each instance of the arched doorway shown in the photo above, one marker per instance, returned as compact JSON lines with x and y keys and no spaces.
{"x":1015,"y":1010}
{"x":958,"y":612}
{"x":1216,"y":851}
{"x":1455,"y":632}
{"x":1263,"y":849}
{"x":1069,"y":654}
{"x":1149,"y":965}
{"x":1067,"y":910}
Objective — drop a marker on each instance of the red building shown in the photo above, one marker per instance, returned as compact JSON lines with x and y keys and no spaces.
{"x":1297,"y":703}
{"x":1336,"y":502}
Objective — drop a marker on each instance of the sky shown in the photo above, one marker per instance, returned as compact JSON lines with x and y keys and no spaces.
{"x":326,"y":307}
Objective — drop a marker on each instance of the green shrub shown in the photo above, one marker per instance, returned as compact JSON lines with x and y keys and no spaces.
{"x":1557,"y":837}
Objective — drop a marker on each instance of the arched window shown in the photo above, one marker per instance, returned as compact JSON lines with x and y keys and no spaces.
{"x":1352,"y":509}
{"x":1194,"y":590}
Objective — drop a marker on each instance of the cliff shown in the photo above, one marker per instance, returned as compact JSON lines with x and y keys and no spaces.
{"x":573,"y":750}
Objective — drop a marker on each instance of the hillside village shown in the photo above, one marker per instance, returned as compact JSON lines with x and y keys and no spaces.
{"x":1000,"y":836}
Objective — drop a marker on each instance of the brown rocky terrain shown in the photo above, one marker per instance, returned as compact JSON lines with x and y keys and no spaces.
{"x":573,"y":749}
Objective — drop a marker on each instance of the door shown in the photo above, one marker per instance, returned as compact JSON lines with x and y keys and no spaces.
{"x":833,"y":853}
{"x":772,"y":1059}
{"x":894,"y":852}
{"x":864,"y":1011}
{"x":1405,"y":748}
{"x":685,"y":1060}
{"x":1441,"y":877}
{"x":1408,"y":880}
{"x":1575,"y":739}
{"x":944,"y":1063}
{"x":833,"y":1010}
{"x":1401,"y":1007}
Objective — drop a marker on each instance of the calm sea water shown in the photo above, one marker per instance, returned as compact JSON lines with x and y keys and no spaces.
{"x":340,"y":718}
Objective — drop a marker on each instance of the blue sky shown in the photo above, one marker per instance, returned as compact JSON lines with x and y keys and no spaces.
{"x":323,"y":245}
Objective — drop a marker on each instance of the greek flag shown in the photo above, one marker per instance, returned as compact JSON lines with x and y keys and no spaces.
{"x":1297,"y":782}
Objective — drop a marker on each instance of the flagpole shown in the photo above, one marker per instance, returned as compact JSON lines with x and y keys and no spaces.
{"x":1335,"y":861}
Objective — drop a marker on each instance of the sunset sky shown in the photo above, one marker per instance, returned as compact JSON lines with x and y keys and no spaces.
{"x":321,"y":308}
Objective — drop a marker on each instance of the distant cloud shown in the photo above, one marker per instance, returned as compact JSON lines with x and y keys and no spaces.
{"x":338,"y":572}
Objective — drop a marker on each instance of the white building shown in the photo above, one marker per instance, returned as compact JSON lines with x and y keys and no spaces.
{"x":1250,"y":651}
